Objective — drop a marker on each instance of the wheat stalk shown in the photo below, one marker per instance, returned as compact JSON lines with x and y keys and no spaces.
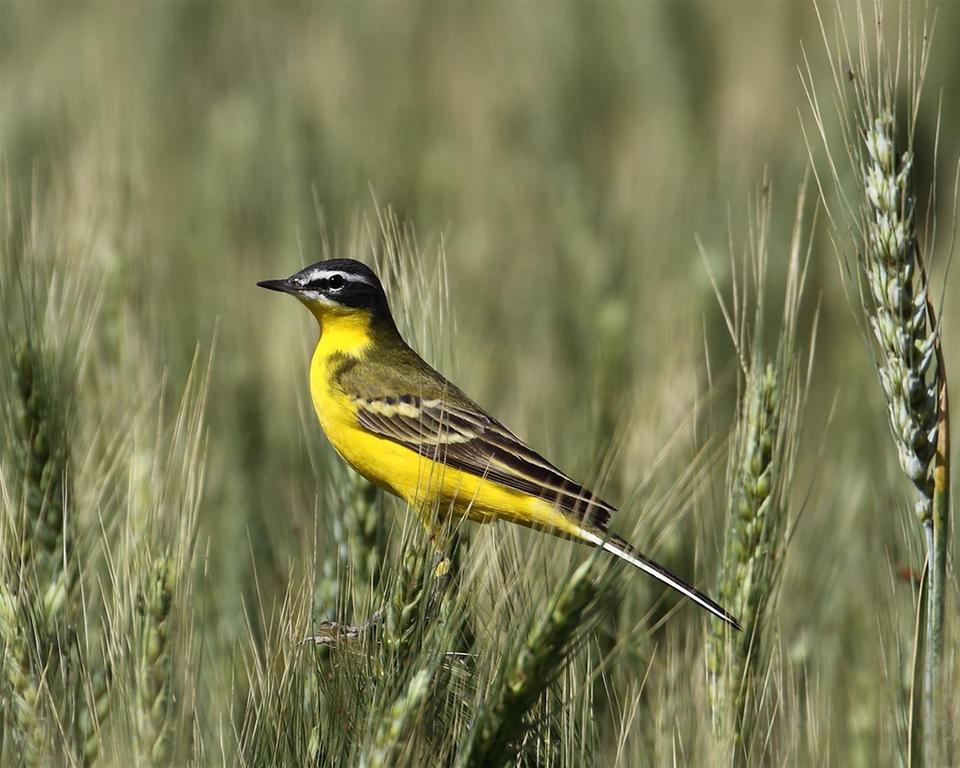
{"x":912,"y":375}
{"x":896,"y":305}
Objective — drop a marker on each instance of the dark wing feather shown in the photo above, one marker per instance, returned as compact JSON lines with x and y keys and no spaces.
{"x":467,"y":439}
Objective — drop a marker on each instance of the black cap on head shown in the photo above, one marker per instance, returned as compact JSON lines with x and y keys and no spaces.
{"x":345,"y":283}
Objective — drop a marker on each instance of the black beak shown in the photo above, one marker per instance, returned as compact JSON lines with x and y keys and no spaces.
{"x":284,"y":286}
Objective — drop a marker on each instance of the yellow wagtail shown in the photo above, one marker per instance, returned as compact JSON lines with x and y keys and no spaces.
{"x":407,"y":429}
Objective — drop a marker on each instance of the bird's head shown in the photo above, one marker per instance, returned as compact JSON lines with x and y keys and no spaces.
{"x":334,"y":289}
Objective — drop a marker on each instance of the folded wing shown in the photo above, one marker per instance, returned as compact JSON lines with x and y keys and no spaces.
{"x":467,"y":439}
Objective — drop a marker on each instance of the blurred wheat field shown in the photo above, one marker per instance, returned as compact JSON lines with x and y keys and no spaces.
{"x":554,"y":194}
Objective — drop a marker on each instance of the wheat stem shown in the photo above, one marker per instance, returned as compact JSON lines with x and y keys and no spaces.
{"x":938,"y":531}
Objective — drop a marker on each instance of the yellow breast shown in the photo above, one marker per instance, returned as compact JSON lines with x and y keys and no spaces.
{"x":426,"y":485}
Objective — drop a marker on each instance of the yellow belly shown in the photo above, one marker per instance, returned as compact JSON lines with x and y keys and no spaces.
{"x":430,"y":487}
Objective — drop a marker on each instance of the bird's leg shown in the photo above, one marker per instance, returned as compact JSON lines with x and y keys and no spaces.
{"x":441,"y":563}
{"x":439,"y":538}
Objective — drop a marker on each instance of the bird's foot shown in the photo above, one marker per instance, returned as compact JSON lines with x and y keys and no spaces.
{"x":330,"y":633}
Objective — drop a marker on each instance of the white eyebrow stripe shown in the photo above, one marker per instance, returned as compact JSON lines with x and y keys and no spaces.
{"x":321,"y":274}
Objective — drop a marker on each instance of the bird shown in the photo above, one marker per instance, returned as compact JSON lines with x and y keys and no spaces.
{"x":407,"y":429}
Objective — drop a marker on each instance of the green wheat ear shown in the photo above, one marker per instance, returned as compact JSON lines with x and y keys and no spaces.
{"x":154,"y":665}
{"x":352,"y":568}
{"x":897,"y":308}
{"x":93,"y":712}
{"x":394,"y":731}
{"x":23,"y":689}
{"x":763,"y":449}
{"x":746,"y":570}
{"x":502,"y":723}
{"x":409,"y":601}
{"x":42,"y":459}
{"x":366,"y":526}
{"x":37,"y":581}
{"x":887,"y":256}
{"x":752,"y":547}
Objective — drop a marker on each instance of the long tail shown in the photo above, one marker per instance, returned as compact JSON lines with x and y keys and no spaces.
{"x":620,"y":548}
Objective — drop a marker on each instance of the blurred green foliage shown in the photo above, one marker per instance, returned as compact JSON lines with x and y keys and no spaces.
{"x":564,"y":156}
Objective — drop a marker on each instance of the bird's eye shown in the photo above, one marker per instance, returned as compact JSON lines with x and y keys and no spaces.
{"x":335,"y":282}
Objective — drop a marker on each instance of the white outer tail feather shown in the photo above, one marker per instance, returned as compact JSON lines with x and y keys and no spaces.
{"x":659,"y":573}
